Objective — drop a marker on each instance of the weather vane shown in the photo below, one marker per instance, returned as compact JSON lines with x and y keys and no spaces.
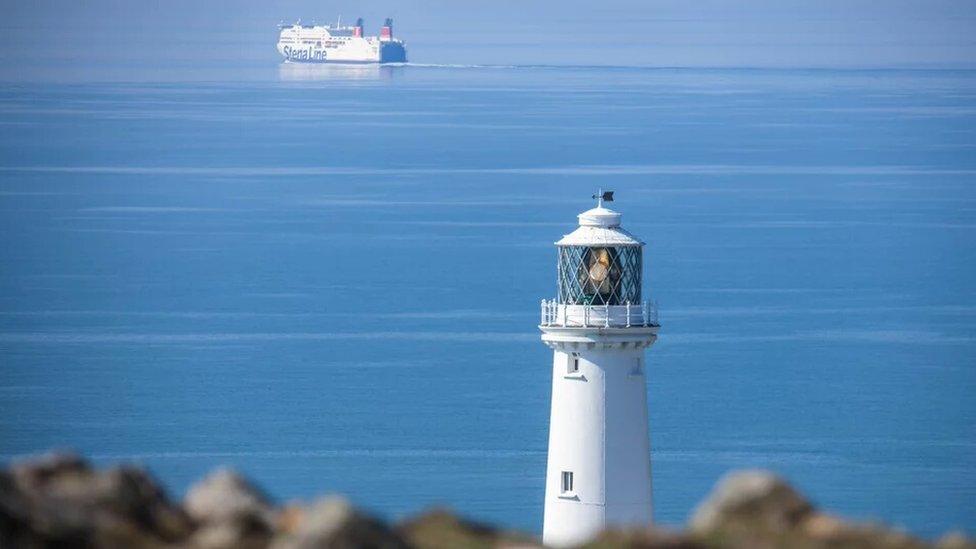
{"x":602,"y":196}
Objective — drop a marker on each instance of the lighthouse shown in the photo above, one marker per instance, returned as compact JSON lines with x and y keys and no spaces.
{"x":599,"y":466}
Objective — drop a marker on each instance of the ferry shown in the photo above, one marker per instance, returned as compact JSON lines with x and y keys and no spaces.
{"x":300,"y":43}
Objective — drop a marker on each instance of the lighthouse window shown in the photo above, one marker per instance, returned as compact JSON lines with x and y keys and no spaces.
{"x":567,"y":479}
{"x":600,"y":275}
{"x":573,"y":365}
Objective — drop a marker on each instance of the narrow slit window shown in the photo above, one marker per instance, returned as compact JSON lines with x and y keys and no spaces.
{"x":573,"y":366}
{"x":567,"y":482}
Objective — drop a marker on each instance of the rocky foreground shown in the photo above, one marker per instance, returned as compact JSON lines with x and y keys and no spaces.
{"x":61,"y":501}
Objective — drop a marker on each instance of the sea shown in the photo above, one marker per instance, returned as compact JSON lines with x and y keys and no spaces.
{"x":329,"y":278}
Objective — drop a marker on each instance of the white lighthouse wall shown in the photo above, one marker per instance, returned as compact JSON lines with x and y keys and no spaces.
{"x":628,"y":453}
{"x":598,"y":431}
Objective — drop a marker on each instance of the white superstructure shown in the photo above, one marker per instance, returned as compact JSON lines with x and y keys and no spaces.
{"x":599,"y":468}
{"x":300,"y":43}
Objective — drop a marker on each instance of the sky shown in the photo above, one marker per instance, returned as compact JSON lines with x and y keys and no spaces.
{"x":45,"y":38}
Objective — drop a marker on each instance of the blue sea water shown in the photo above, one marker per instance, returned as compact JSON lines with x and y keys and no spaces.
{"x":330,"y":278}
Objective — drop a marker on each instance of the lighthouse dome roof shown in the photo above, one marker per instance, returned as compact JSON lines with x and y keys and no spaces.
{"x":599,"y":227}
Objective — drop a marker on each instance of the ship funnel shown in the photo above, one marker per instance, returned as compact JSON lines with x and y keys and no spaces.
{"x":358,"y":29}
{"x":386,"y":33}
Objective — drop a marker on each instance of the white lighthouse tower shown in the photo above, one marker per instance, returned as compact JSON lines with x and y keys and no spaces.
{"x":599,"y":469}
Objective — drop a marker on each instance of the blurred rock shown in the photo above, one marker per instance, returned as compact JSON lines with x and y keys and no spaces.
{"x":441,"y":529}
{"x":225,"y":496}
{"x":757,"y":509}
{"x":230,"y":513}
{"x":332,"y":523}
{"x":824,"y":527}
{"x":752,"y":500}
{"x":955,"y":540}
{"x":647,"y":538}
{"x":58,"y":500}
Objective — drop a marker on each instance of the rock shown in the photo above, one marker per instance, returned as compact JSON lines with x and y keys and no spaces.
{"x":229,"y":535}
{"x":442,"y":529}
{"x":290,"y":518}
{"x":646,"y":538}
{"x":757,"y":501}
{"x":955,"y":540}
{"x":823,"y":527}
{"x":16,"y":528}
{"x":230,"y":512}
{"x":758,"y":509}
{"x":34,"y":473}
{"x":332,"y":523}
{"x":226,"y":496}
{"x":60,"y":500}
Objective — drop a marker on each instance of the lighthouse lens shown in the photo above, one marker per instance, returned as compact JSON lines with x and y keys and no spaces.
{"x":598,"y":272}
{"x":599,"y":264}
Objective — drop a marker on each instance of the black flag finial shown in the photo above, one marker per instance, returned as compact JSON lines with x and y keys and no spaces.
{"x":603,"y":196}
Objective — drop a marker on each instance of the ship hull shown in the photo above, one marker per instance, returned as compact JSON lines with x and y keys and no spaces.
{"x":365,"y":53}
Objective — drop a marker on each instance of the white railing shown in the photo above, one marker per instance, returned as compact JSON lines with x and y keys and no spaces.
{"x":597,"y":316}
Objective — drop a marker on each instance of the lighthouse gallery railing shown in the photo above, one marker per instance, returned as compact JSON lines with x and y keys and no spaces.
{"x":598,"y":316}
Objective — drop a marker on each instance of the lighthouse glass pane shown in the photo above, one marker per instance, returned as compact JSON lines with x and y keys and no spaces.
{"x":592,"y":275}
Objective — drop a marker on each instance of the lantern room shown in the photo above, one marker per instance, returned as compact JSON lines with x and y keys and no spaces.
{"x":599,"y":263}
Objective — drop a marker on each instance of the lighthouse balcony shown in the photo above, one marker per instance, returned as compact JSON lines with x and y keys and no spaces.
{"x":598,"y":316}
